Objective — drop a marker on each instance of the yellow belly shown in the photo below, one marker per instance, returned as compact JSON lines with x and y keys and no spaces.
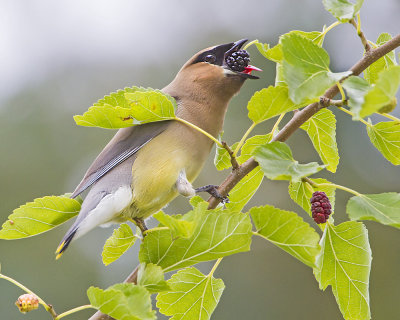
{"x":157,"y":167}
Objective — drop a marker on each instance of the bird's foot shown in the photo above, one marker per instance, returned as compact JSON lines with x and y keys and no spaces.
{"x":141,"y":225}
{"x":213,"y":190}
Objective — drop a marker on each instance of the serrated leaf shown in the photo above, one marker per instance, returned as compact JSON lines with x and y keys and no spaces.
{"x":178,"y":227}
{"x":123,"y":301}
{"x":343,"y":10}
{"x":288,"y":231}
{"x":268,"y":103}
{"x":128,"y":107}
{"x":372,"y":72}
{"x":222,"y":159}
{"x":192,"y":296}
{"x":301,"y":194}
{"x":275,"y":53}
{"x":111,"y":112}
{"x":218,"y":233}
{"x":383,"y":93}
{"x":277,"y":163}
{"x":383,"y":208}
{"x":150,"y":106}
{"x":39,"y":216}
{"x":385,"y":136}
{"x":119,"y":242}
{"x":151,"y":277}
{"x":356,"y":89}
{"x":321,"y":128}
{"x":306,"y":68}
{"x":242,"y":193}
{"x":252,"y":143}
{"x":345,"y":263}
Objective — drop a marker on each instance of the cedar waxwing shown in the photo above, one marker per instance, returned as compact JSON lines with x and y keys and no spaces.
{"x":145,"y":167}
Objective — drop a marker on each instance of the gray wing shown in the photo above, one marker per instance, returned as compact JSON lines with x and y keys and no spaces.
{"x":123,"y":145}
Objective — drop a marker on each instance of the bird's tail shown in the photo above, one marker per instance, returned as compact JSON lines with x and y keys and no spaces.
{"x":65,"y":242}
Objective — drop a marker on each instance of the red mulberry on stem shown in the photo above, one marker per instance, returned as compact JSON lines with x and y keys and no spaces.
{"x":320,"y":207}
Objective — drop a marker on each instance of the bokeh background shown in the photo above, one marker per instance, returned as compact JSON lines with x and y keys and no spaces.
{"x":58,"y":57}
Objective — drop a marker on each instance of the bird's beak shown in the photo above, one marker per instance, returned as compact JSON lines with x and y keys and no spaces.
{"x":236,"y":46}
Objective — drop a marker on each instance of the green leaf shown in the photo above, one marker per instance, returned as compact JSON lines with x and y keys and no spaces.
{"x":111,"y":112}
{"x":150,"y":106}
{"x":321,"y":128}
{"x":301,"y":194}
{"x":222,"y":159}
{"x":306,"y":68}
{"x":385,"y":136}
{"x":356,"y":89}
{"x":178,"y":227}
{"x":151,"y":277}
{"x":388,"y":60}
{"x":192,"y":296}
{"x":251,"y":144}
{"x":275,"y":53}
{"x":383,"y":94}
{"x":345,"y":263}
{"x":123,"y":301}
{"x":219,"y":233}
{"x":383,"y":208}
{"x":128,"y":107}
{"x":288,"y":231}
{"x":277,"y":163}
{"x":268,"y":103}
{"x":242,"y":193}
{"x":116,"y":245}
{"x":41,"y":215}
{"x":343,"y":10}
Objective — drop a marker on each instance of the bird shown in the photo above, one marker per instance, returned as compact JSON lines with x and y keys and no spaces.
{"x":145,"y":167}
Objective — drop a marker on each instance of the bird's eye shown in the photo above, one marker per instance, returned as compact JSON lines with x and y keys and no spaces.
{"x":210,"y":58}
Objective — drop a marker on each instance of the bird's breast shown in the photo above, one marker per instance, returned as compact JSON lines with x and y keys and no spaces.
{"x":158,"y":164}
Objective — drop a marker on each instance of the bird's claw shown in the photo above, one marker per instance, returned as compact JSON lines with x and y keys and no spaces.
{"x":213,"y":190}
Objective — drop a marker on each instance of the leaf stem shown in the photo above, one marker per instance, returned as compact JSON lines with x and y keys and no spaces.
{"x":325,"y":31}
{"x":389,"y":116}
{"x":155,"y":229}
{"x":241,"y":142}
{"x":343,"y":95}
{"x":200,"y":130}
{"x":215,"y":267}
{"x":275,"y":127}
{"x":338,"y":186}
{"x":66,"y":313}
{"x":49,"y":308}
{"x":352,"y":114}
{"x":250,"y":44}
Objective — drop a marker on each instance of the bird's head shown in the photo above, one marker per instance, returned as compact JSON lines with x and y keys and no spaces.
{"x":221,"y":69}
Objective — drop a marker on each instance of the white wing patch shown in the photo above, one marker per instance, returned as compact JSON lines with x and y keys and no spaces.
{"x":107,"y":210}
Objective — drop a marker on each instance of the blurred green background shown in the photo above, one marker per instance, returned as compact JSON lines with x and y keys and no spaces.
{"x":58,"y":57}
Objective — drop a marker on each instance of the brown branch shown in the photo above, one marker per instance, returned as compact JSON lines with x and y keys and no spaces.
{"x":361,"y":34}
{"x":298,"y":119}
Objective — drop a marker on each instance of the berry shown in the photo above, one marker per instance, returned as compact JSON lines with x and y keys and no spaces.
{"x":27,"y":302}
{"x":238,"y":60}
{"x":320,"y":207}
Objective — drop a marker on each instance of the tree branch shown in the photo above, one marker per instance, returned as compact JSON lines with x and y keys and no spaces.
{"x":298,"y":119}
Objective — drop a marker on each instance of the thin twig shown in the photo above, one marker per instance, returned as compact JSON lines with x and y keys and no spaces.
{"x":298,"y":119}
{"x":361,"y":34}
{"x":234,"y":162}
